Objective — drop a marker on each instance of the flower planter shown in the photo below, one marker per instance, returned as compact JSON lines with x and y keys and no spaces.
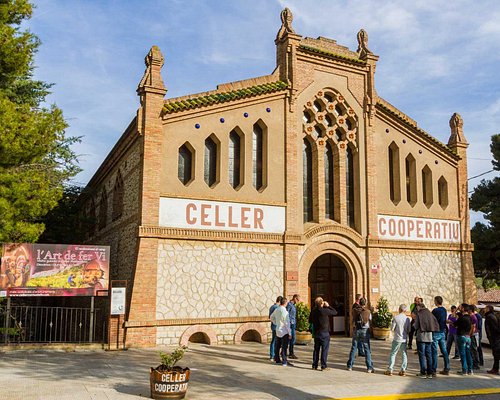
{"x":169,"y":384}
{"x":381,"y":333}
{"x":303,"y":338}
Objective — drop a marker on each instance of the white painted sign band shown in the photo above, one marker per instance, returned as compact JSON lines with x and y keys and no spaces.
{"x":392,"y":227}
{"x":218,"y":215}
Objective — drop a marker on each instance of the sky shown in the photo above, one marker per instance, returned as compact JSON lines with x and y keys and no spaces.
{"x":436,"y":58}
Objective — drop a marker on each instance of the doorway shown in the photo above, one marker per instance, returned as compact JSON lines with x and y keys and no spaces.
{"x":328,"y":279}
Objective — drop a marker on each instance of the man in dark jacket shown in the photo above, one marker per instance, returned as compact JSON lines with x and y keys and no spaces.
{"x":492,"y":327}
{"x":425,"y":325}
{"x":320,"y":320}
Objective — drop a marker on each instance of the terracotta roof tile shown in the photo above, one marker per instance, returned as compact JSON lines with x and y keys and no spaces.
{"x":488,"y":296}
{"x":329,"y":54}
{"x":173,"y":105}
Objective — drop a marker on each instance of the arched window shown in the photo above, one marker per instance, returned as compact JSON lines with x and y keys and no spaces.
{"x":411,"y":179}
{"x":328,"y":120}
{"x":259,"y":156}
{"x":307,"y":186}
{"x":118,"y":197}
{"x":185,"y":163}
{"x":211,"y":161}
{"x":394,"y":177}
{"x":103,"y":210}
{"x":427,"y":192}
{"x":235,"y":159}
{"x":349,"y":190}
{"x":329,"y":178}
{"x":443,"y":192}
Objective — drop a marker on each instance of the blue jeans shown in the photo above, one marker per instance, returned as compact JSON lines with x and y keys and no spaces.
{"x":292,"y":340}
{"x":438,"y":340}
{"x":396,"y":346}
{"x":360,"y":336}
{"x":425,"y":357}
{"x":321,"y":344}
{"x":273,"y":344}
{"x":449,"y":341}
{"x":465,"y":354}
{"x":280,"y":350}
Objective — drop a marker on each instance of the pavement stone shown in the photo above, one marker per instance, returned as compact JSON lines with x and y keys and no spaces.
{"x":219,"y":372}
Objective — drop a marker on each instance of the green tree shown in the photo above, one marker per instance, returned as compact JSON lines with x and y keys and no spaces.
{"x":35,"y":155}
{"x":65,"y":223}
{"x":486,"y":237}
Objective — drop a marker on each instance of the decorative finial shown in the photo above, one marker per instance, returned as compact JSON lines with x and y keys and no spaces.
{"x":363,"y":43}
{"x":152,"y":76}
{"x":286,"y":23}
{"x":457,"y":132}
{"x":456,"y":121}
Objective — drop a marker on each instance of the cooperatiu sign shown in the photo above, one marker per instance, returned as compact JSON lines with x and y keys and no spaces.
{"x":392,"y":227}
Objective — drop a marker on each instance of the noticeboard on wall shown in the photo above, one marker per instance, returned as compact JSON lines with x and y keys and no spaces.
{"x":118,"y":295}
{"x":53,"y":269}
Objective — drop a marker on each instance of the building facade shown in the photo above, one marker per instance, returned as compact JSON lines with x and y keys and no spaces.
{"x":302,"y":181}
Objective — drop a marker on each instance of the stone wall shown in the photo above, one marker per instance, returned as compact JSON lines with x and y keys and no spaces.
{"x":201,"y":279}
{"x":407,"y":273}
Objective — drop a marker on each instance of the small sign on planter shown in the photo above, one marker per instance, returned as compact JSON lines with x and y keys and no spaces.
{"x":169,"y":384}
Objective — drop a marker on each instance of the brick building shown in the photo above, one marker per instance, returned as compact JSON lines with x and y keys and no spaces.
{"x":302,"y":181}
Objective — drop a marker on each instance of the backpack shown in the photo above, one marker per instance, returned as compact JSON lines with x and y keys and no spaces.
{"x":358,"y":322}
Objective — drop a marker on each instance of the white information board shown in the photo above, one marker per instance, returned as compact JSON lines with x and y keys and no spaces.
{"x":118,"y":300}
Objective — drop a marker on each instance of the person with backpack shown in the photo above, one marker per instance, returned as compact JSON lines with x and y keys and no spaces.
{"x":356,"y":306}
{"x":361,"y":323}
{"x":492,"y":327}
{"x":401,"y":327}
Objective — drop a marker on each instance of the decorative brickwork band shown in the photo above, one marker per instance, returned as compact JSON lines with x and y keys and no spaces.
{"x":205,"y":329}
{"x":250,"y":326}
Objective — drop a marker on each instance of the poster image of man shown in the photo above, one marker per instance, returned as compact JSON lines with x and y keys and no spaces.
{"x":16,"y":267}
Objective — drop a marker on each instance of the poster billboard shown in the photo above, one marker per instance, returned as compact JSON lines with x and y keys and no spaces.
{"x":54,"y":269}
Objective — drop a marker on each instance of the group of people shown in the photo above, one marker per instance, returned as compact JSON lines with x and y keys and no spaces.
{"x":433,"y":330}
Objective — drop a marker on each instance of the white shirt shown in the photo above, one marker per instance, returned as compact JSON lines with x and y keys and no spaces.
{"x":401,"y":327}
{"x":281,"y":319}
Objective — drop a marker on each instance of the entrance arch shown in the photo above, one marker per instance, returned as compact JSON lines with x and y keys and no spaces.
{"x":328,"y":278}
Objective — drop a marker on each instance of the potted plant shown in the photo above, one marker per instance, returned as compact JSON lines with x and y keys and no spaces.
{"x":382,"y":320}
{"x":168,"y":381}
{"x":302,"y":336}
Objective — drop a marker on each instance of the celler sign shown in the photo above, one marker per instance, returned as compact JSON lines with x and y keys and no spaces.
{"x":219,"y":215}
{"x":419,"y":229}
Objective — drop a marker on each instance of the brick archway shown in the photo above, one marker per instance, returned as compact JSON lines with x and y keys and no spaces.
{"x":345,"y":244}
{"x":205,"y":329}
{"x":250,"y":326}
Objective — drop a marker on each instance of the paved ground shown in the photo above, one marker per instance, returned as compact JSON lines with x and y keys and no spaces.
{"x":223,"y":372}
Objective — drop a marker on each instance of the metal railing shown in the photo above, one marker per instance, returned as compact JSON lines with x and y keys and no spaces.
{"x":38,"y":324}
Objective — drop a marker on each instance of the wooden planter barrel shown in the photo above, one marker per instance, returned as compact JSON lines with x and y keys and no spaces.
{"x":303,"y":338}
{"x":169,"y":384}
{"x":381,"y":333}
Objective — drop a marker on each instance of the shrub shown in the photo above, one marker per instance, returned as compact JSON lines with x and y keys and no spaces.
{"x":168,"y":360}
{"x":382,"y":317}
{"x":302,"y":317}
